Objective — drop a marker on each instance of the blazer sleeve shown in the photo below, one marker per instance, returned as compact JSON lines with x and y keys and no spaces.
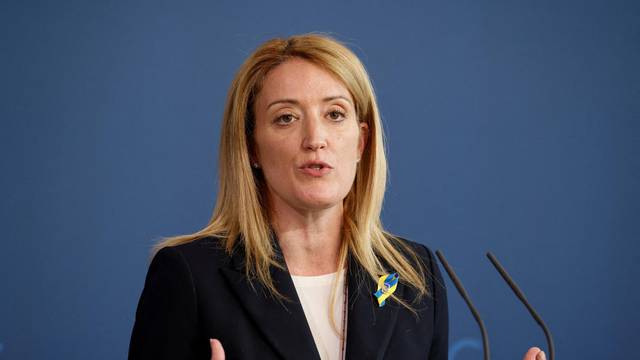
{"x":166,"y":318}
{"x":440,"y":342}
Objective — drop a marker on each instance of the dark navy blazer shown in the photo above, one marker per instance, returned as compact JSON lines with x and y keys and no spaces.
{"x":195,"y":291}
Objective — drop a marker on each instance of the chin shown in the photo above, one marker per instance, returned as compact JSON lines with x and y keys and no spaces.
{"x":320,"y":202}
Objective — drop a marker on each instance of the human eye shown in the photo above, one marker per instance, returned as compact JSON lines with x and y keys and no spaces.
{"x":285,"y":119}
{"x":336,"y":115}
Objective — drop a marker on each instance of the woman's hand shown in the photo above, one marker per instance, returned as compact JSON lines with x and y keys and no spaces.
{"x":217,"y":352}
{"x":534,"y":353}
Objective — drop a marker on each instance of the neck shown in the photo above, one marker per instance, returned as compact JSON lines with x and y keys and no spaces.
{"x":310,"y":240}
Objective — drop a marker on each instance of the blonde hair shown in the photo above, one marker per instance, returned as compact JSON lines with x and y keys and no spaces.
{"x":240,"y":213}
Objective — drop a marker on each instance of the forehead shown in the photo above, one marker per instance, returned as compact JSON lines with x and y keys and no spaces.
{"x":301,"y":80}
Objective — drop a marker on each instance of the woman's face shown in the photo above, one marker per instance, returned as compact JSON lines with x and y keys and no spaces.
{"x":307,"y":137}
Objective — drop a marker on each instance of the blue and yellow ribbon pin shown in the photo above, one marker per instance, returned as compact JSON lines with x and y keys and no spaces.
{"x":386,"y":286}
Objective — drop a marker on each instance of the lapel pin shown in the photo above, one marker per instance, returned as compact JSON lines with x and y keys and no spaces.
{"x":386,"y":286}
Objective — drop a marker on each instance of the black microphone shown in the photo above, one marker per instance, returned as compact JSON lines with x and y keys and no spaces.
{"x":520,"y":295}
{"x":465,"y":296}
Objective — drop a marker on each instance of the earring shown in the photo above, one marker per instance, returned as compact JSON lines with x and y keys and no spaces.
{"x":255,"y":165}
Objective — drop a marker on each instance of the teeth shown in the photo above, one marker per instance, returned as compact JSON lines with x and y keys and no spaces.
{"x":316,"y":166}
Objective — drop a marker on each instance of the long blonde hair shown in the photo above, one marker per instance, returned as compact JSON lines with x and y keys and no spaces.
{"x":240,"y":213}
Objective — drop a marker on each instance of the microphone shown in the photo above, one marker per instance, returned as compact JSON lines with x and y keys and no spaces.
{"x":465,"y":296}
{"x":520,"y":295}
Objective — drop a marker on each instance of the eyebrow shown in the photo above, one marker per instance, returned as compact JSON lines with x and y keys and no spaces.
{"x":296,"y":102}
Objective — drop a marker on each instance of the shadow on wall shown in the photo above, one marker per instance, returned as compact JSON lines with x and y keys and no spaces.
{"x":462,"y":344}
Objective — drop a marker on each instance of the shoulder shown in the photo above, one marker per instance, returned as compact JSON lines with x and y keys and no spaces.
{"x":423,"y":252}
{"x":428,"y":263}
{"x":207,"y":251}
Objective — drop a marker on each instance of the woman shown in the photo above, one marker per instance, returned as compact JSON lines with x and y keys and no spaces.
{"x":290,"y":264}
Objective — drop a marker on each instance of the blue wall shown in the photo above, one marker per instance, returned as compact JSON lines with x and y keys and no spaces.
{"x":512,"y":127}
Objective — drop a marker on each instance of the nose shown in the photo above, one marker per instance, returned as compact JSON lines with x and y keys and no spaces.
{"x":315,"y":136}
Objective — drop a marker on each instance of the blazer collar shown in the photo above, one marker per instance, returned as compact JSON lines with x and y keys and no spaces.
{"x":285,"y":326}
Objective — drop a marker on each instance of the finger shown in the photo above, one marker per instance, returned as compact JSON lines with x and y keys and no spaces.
{"x":532,"y":354}
{"x":217,"y":352}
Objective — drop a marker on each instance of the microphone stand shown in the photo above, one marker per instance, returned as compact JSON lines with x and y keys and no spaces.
{"x":517,"y":292}
{"x":523,"y":299}
{"x":467,"y":299}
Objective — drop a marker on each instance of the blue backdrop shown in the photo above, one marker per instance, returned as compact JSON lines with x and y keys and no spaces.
{"x":512,"y":126}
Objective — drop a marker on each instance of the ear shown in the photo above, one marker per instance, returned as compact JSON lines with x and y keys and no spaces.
{"x":253,"y":160}
{"x":253,"y":152}
{"x":364,"y":137}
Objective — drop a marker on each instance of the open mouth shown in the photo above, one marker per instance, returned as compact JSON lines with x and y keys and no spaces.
{"x":316,"y":169}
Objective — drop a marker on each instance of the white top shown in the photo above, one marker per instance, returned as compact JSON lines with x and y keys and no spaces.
{"x":314,"y":293}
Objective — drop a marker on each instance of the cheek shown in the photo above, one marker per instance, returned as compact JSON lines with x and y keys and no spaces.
{"x":348,"y":159}
{"x":275,"y":154}
{"x":349,"y":147}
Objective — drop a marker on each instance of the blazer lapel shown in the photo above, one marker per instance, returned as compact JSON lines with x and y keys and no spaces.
{"x":369,"y":327}
{"x":283,"y":324}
